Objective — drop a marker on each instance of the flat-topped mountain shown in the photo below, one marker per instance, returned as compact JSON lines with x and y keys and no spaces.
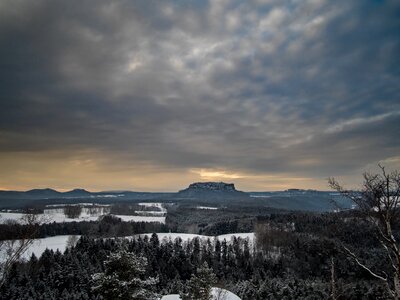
{"x":212,"y":186}
{"x":211,"y":190}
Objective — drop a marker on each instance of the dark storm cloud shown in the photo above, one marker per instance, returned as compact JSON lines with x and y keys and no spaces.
{"x":308,"y":87}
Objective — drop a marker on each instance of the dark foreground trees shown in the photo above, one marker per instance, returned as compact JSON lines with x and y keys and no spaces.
{"x":378,"y":201}
{"x":123,"y":278}
{"x":200,"y":284}
{"x":12,"y":250}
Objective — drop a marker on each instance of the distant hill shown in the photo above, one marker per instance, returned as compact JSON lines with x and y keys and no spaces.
{"x":43,"y":194}
{"x":31,"y":194}
{"x":207,"y":193}
{"x":77,"y":193}
{"x":18,"y":199}
{"x":304,"y":200}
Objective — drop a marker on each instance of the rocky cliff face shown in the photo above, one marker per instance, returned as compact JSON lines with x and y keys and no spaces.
{"x":212,"y":186}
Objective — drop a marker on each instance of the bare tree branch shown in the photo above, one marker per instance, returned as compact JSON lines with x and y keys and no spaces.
{"x":379,"y":201}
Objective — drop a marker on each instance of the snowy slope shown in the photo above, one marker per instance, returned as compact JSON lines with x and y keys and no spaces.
{"x":57,"y":215}
{"x":217,"y":293}
{"x":207,"y":207}
{"x":39,"y":245}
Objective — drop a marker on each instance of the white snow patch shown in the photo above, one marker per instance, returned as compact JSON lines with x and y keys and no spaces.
{"x":57,"y":215}
{"x":4,"y":216}
{"x":79,"y":204}
{"x":171,"y":297}
{"x":141,"y":219}
{"x":217,"y":294}
{"x":40,"y":245}
{"x":107,"y":196}
{"x":206,"y":207}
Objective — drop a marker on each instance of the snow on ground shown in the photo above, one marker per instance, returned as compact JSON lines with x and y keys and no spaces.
{"x":80,"y":204}
{"x":141,"y":218}
{"x":221,"y":294}
{"x":217,"y":293}
{"x":57,"y":215}
{"x":39,"y":245}
{"x":171,"y":297}
{"x":206,"y":207}
{"x":86,"y":211}
{"x":189,"y":236}
{"x":4,"y":216}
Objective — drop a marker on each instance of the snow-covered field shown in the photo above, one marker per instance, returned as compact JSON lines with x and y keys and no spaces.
{"x":57,"y":215}
{"x":206,"y":207}
{"x":86,"y":212}
{"x":188,"y":236}
{"x":39,"y":245}
{"x":80,"y":204}
{"x":141,"y":218}
{"x":217,"y":293}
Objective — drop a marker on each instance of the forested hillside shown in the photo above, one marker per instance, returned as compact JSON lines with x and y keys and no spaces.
{"x":292,"y":259}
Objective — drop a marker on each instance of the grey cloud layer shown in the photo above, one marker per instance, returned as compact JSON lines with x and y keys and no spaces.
{"x":309,"y":87}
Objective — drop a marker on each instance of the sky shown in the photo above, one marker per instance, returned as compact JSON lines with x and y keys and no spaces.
{"x":154,"y":95}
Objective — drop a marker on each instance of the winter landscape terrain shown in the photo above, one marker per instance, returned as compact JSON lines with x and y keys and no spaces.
{"x":199,"y":150}
{"x":199,"y":238}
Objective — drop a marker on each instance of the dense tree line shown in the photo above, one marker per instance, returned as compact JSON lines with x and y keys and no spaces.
{"x":299,"y":268}
{"x":108,"y":226}
{"x":292,"y":260}
{"x":225,"y":219}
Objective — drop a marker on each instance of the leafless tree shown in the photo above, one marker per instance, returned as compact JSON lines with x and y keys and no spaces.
{"x":334,"y":293}
{"x":94,"y":210}
{"x":12,"y":250}
{"x":379,"y":200}
{"x":72,"y":211}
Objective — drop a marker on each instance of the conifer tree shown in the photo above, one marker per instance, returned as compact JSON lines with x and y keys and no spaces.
{"x":199,"y":285}
{"x":123,"y":278}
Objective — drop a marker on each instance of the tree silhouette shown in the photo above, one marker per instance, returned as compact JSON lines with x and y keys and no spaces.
{"x":379,"y":200}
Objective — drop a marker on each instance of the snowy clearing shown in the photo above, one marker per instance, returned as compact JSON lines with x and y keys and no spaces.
{"x":39,"y":245}
{"x":141,"y":218}
{"x":79,"y":204}
{"x":57,"y":215}
{"x":86,"y":211}
{"x":206,"y":207}
{"x":217,"y":293}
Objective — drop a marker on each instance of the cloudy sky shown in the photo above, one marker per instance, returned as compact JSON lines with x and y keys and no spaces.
{"x":153,"y":95}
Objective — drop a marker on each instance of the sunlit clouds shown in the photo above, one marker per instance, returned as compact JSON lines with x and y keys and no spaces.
{"x":216,"y":175}
{"x":145,"y":95}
